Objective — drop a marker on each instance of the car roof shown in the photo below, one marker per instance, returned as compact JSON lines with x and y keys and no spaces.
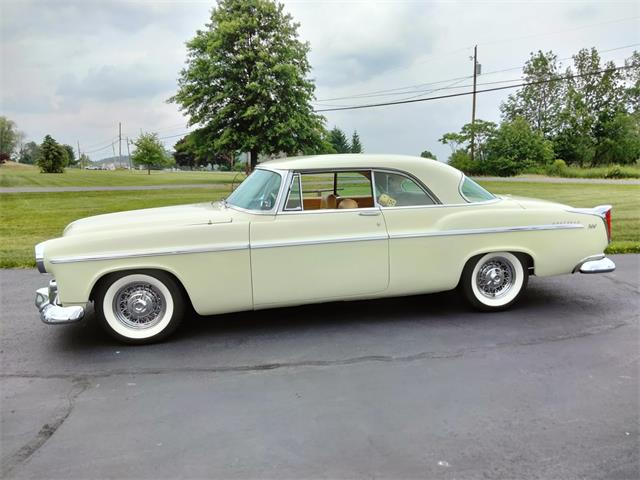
{"x":439,"y":177}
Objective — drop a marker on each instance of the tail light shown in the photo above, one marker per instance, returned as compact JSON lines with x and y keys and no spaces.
{"x":605,"y":212}
{"x":607,"y":221}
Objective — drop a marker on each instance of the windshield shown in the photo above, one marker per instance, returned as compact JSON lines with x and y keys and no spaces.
{"x":259,"y":191}
{"x":472,"y":192}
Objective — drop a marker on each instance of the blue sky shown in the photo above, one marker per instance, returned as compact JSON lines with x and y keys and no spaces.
{"x":74,"y":69}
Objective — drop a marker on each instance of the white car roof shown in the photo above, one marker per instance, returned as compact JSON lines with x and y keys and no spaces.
{"x":439,"y":177}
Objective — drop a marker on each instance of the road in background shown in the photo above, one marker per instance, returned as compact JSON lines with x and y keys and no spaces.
{"x":416,"y":387}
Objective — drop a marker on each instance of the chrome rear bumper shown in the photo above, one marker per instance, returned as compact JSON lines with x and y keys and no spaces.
{"x":595,"y":264}
{"x":50,"y":312}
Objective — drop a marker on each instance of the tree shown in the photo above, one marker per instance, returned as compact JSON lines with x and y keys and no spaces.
{"x":339,"y":141}
{"x":184,"y":152}
{"x":356,"y":145}
{"x":70,"y":155}
{"x":516,"y":147}
{"x":150,"y":152}
{"x":84,"y":160}
{"x":483,"y":131}
{"x":632,"y":77}
{"x":245,"y":81}
{"x":538,"y":103}
{"x":428,"y":154}
{"x":29,"y":153}
{"x":8,"y":136}
{"x":52,"y":157}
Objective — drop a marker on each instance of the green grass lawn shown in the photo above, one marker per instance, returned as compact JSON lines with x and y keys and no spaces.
{"x":624,"y":198}
{"x":16,"y":175}
{"x":28,"y":218}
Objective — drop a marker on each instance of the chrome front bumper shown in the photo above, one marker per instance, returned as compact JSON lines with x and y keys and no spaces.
{"x":595,"y":264}
{"x":50,"y":312}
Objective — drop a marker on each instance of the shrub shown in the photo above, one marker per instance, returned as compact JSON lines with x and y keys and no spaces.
{"x":614,"y":171}
{"x":460,"y":159}
{"x":557,"y":169}
{"x":502,"y":167}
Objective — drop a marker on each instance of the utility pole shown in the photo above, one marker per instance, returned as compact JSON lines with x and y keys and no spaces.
{"x":79,"y":155}
{"x":120,"y":142}
{"x":129,"y":153}
{"x":473,"y":108}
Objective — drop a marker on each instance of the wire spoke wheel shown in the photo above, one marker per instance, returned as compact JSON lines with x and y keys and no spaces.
{"x":495,"y":277}
{"x":139,"y":305}
{"x":494,"y":281}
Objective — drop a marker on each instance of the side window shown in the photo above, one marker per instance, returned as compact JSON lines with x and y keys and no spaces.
{"x":330,"y":190}
{"x":472,"y":192}
{"x":396,"y":190}
{"x":294,"y":200}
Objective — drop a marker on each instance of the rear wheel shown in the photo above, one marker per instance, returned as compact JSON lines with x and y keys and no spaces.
{"x":140,"y":307}
{"x":494,"y":281}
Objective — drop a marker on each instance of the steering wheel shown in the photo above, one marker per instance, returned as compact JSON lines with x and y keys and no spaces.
{"x":266,"y":202}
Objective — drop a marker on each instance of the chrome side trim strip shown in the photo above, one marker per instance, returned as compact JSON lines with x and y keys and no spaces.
{"x":153,"y":253}
{"x":480,"y":231}
{"x":323,"y":241}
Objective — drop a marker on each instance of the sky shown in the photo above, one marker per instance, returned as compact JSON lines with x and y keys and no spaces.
{"x":75,"y":69}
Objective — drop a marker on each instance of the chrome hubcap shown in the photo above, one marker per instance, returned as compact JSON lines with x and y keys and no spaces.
{"x":139,"y":305}
{"x":495,"y":277}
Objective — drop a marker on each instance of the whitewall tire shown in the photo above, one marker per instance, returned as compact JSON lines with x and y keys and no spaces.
{"x":494,"y":281}
{"x":139,"y":307}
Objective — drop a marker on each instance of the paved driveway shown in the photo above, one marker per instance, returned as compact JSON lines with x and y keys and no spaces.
{"x":417,"y":387}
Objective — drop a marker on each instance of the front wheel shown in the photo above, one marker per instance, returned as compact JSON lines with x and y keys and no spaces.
{"x":140,"y":307}
{"x":494,"y":281}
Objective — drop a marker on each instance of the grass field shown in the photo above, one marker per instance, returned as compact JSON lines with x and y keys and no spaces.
{"x":17,"y":175}
{"x":28,"y":218}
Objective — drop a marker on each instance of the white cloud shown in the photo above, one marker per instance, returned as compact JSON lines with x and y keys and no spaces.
{"x":76,"y":68}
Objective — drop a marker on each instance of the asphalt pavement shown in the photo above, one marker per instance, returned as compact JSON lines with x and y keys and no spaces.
{"x":415,"y":387}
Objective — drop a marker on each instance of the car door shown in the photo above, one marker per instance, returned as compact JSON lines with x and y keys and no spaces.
{"x":313,"y":255}
{"x":418,"y":261}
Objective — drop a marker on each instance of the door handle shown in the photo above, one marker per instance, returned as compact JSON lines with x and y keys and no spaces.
{"x":369,"y":214}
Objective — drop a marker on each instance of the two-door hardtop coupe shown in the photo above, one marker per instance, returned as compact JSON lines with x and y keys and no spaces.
{"x":315,"y":229}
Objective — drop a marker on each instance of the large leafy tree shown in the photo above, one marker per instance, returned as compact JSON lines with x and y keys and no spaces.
{"x":428,"y":154}
{"x":539,"y":102}
{"x":245,"y":82}
{"x":52,"y":156}
{"x":9,"y":137}
{"x":29,"y":153}
{"x":481,"y":130}
{"x":150,"y":152}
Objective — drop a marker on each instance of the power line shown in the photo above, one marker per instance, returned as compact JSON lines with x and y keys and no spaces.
{"x":495,"y":89}
{"x":408,"y":89}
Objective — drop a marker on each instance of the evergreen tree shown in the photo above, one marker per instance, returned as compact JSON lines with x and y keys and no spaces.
{"x":52,"y":157}
{"x":356,"y":146}
{"x":339,"y":141}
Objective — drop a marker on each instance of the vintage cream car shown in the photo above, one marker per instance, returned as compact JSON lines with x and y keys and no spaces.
{"x":315,"y":229}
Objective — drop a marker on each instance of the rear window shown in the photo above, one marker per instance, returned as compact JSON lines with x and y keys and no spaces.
{"x":472,"y":192}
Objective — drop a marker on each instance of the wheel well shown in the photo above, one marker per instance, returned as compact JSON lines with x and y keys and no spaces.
{"x":527,"y":260}
{"x":98,"y":284}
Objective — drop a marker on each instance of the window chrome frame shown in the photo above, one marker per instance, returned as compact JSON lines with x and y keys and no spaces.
{"x":283,"y":211}
{"x":461,"y":182}
{"x":436,"y":201}
{"x":284,"y":180}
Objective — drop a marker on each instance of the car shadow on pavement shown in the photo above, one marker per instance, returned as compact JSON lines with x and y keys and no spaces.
{"x":431,"y":310}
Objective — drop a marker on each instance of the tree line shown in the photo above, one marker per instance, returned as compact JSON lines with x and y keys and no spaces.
{"x":585,"y":115}
{"x":50,"y":156}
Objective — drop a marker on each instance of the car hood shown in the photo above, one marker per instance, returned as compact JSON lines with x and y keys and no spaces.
{"x":194,"y":214}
